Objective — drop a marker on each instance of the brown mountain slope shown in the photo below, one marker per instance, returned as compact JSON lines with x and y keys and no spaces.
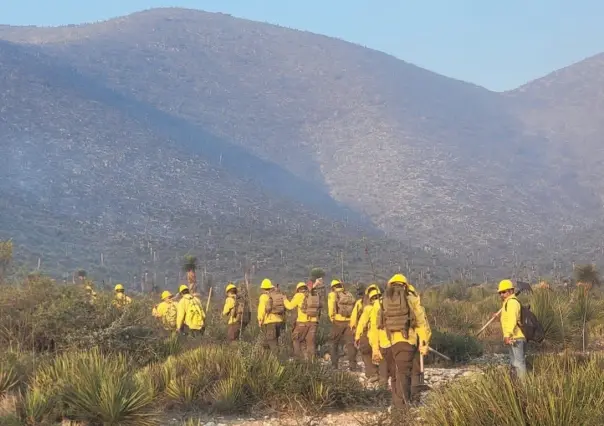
{"x":431,"y":159}
{"x":567,"y":107}
{"x":81,"y":176}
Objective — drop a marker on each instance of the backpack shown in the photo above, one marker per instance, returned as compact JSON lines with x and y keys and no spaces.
{"x":194,"y":313}
{"x":345,"y":303}
{"x":276,"y":304}
{"x":242,"y":312}
{"x":529,"y":324}
{"x":311,"y":306}
{"x":396,"y":315}
{"x":169,"y":318}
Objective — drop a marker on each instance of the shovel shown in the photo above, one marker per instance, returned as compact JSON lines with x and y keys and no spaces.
{"x":520,"y":287}
{"x":421,"y":385}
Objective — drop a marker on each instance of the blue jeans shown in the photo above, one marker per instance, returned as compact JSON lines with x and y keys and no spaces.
{"x":517,"y":357}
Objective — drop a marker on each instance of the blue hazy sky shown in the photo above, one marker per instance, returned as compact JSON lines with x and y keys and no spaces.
{"x":498,"y":44}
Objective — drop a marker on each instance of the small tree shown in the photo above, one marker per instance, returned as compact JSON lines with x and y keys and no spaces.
{"x":587,"y":276}
{"x":190,"y":267}
{"x":6,"y":257}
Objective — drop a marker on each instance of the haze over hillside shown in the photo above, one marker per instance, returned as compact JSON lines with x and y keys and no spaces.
{"x":173,"y":110}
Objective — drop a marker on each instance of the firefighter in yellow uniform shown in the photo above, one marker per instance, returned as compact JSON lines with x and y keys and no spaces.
{"x":166,"y":311}
{"x":120,"y":299}
{"x":398,"y":323}
{"x":190,"y":317}
{"x":304,"y":334}
{"x":373,"y":372}
{"x":271,"y":313}
{"x":237,"y":312}
{"x":340,"y":304}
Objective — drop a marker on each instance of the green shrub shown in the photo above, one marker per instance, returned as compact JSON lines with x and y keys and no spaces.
{"x":562,"y":390}
{"x":459,"y":348}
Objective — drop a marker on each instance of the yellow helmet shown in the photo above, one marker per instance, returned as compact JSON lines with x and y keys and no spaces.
{"x":505,"y":285}
{"x":165,"y":295}
{"x":266,"y":284}
{"x":373,"y":293}
{"x":300,"y":285}
{"x":371,"y":287}
{"x":335,"y":282}
{"x":182,"y":288}
{"x":397,"y":279}
{"x":118,"y":287}
{"x":230,"y":286}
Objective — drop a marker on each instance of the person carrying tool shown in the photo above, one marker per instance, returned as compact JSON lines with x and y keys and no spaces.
{"x":271,"y":312}
{"x":401,"y":325}
{"x":236,"y":308}
{"x":340,"y":304}
{"x":512,"y":334}
{"x":305,"y":329}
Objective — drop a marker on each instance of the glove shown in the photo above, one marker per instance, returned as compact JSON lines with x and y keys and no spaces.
{"x":376,"y":357}
{"x":423,"y":350}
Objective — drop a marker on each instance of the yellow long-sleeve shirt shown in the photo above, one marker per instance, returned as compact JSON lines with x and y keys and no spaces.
{"x":510,"y":317}
{"x":331,"y":307}
{"x":166,"y":311}
{"x":363,"y":326}
{"x":297,"y":302}
{"x":182,"y":317}
{"x":229,"y":309}
{"x":263,"y":317}
{"x":381,"y":339}
{"x":357,"y":311}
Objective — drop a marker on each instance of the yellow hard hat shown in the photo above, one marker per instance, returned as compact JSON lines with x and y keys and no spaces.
{"x":118,"y":287}
{"x":335,"y":282}
{"x":373,"y":293}
{"x":266,"y":284}
{"x":300,"y":285}
{"x":165,"y":295}
{"x":182,"y":288}
{"x":505,"y":285}
{"x":371,"y":287}
{"x":230,"y":286}
{"x":398,"y":279}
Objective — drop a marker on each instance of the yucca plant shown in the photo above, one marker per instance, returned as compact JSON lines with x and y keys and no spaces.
{"x":562,"y":390}
{"x":98,"y":388}
{"x":38,"y":405}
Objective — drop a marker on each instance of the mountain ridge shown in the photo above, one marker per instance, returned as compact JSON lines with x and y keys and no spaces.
{"x":428,"y":159}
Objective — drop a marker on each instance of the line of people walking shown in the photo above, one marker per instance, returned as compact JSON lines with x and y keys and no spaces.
{"x":389,"y":328}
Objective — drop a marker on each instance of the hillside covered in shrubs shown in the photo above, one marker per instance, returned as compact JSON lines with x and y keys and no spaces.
{"x":64,"y":357}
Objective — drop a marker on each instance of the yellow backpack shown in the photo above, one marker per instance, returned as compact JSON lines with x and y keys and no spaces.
{"x":194,"y":314}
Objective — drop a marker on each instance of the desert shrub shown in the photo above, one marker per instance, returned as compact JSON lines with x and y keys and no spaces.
{"x":241,"y":377}
{"x":459,"y":348}
{"x":561,"y":390}
{"x":42,"y":316}
{"x":91,"y":387}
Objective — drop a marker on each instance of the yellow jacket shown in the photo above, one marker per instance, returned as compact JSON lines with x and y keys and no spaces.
{"x":380,"y":339}
{"x":364,"y":325}
{"x":183,"y":318}
{"x":297,"y":302}
{"x":510,"y":317}
{"x":121,"y":299}
{"x":331,"y":307}
{"x":263,"y":317}
{"x":357,"y":311}
{"x":229,"y":309}
{"x":166,"y":311}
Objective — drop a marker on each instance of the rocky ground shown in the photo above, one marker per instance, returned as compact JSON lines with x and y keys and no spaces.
{"x":365,"y":416}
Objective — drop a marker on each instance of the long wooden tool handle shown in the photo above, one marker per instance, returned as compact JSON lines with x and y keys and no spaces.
{"x":489,"y":322}
{"x":208,"y":302}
